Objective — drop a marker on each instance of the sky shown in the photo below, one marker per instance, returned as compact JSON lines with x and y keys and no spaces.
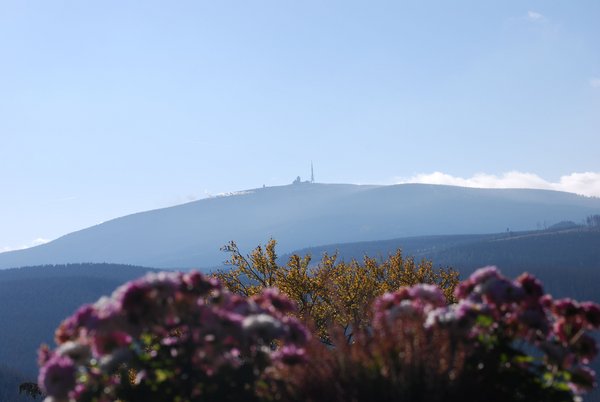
{"x":114,"y":107}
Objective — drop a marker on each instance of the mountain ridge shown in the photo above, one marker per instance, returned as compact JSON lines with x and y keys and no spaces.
{"x":297,"y":216}
{"x":567,"y":261}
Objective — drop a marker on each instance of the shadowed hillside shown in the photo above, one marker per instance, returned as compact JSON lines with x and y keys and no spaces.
{"x":568,"y":261}
{"x":34,"y":300}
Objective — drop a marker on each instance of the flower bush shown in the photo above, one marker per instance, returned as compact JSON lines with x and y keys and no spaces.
{"x":171,"y":337}
{"x":502,"y":341}
{"x":182,"y":337}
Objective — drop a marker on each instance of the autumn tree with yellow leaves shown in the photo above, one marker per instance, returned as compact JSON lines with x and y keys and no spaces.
{"x":332,"y":294}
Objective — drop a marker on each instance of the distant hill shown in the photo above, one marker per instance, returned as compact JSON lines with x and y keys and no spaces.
{"x":301,"y":215}
{"x":568,"y":261}
{"x":34,"y":300}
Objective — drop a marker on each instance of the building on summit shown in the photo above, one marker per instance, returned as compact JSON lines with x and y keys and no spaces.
{"x":298,"y":180}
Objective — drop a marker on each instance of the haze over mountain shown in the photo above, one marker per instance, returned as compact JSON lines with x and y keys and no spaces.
{"x":303,"y":215}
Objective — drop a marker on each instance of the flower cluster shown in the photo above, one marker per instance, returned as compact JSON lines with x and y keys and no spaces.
{"x":510,"y":328}
{"x":171,"y":335}
{"x":182,"y":337}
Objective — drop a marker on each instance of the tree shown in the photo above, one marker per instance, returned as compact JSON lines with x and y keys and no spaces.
{"x":593,"y":221}
{"x":331,"y":293}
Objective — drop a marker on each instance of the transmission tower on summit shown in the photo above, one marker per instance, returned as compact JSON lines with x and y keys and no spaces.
{"x":312,"y":173}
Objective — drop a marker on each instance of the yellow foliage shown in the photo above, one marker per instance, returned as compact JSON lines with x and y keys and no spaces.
{"x":332,"y":292}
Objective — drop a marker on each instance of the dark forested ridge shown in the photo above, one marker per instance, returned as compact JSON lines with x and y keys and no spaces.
{"x":568,"y":261}
{"x":34,"y":300}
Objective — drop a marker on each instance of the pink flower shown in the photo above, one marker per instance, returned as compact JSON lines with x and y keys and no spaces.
{"x":273,"y":300}
{"x":585,"y":348}
{"x":291,"y":355}
{"x":57,"y":376}
{"x":78,"y":352}
{"x":499,"y":291}
{"x":464,"y":289}
{"x":566,"y":307}
{"x":44,"y":354}
{"x":85,"y":317}
{"x":185,"y":320}
{"x":134,"y":297}
{"x":428,"y":293}
{"x":531,"y":285}
{"x":197,"y":283}
{"x":105,"y":343}
{"x":591,"y":312}
{"x":484,"y":274}
{"x":566,"y":329}
{"x":534,"y":318}
{"x":295,"y":332}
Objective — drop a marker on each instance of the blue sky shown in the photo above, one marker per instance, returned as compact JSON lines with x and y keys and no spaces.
{"x":114,"y":107}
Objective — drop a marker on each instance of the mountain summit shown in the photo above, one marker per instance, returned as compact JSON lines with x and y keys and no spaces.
{"x":303,"y":215}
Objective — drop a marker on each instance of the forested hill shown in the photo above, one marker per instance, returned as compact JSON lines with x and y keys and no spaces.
{"x":34,"y":300}
{"x":568,"y":261}
{"x":302,"y":215}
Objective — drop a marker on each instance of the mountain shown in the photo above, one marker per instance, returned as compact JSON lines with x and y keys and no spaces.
{"x":34,"y":301}
{"x":300,"y":215}
{"x":566,"y":260}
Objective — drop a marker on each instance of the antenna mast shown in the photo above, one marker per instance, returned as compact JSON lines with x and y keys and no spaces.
{"x":312,"y":173}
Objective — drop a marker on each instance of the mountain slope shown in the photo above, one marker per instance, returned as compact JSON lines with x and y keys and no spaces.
{"x":34,"y":301}
{"x":190,"y":235}
{"x":567,"y":261}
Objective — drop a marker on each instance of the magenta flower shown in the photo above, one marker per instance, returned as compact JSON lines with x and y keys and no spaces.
{"x":272,"y":299}
{"x":585,"y":348}
{"x":430,"y":294}
{"x":105,"y":343}
{"x":591,"y":312}
{"x":184,"y":331}
{"x":57,"y":376}
{"x":483,"y":275}
{"x":80,"y":353}
{"x":183,"y":326}
{"x":295,"y":332}
{"x":291,"y":355}
{"x":43,"y":355}
{"x":566,"y":307}
{"x":531,"y":286}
